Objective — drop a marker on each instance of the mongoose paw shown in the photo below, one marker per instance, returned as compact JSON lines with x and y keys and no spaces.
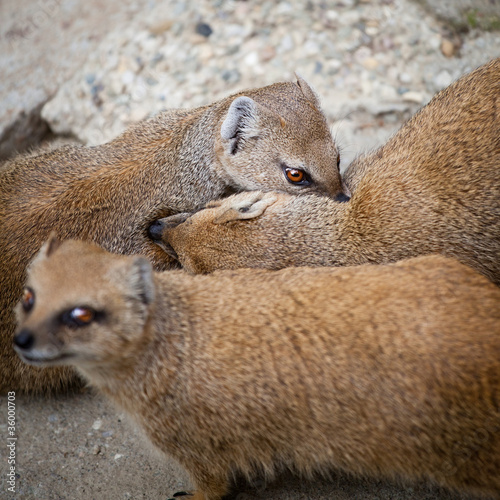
{"x":244,"y":206}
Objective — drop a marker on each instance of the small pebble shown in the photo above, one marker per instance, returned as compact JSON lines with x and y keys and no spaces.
{"x":447,"y":48}
{"x":231,"y":76}
{"x":97,"y":424}
{"x":90,"y":78}
{"x":404,"y":77}
{"x":415,"y":97}
{"x":370,"y":63}
{"x":443,"y":79}
{"x":204,"y":29}
{"x":267,"y":53}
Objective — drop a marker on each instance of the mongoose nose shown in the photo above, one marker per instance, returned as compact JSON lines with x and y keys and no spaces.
{"x":24,"y":339}
{"x":155,"y":230}
{"x":158,"y":227}
{"x":341,"y":197}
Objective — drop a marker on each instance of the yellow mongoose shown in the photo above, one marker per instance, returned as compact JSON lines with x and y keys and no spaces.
{"x":433,"y":188}
{"x":385,"y":371}
{"x":274,"y":137}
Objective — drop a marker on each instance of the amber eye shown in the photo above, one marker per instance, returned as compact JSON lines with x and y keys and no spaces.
{"x":296,"y":176}
{"x":79,"y":316}
{"x":28,"y":299}
{"x":338,"y":161}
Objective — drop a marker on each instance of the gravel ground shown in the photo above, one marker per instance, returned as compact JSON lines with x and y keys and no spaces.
{"x":373,"y":63}
{"x":88,"y":69}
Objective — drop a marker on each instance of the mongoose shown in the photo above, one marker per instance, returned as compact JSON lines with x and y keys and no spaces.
{"x":388,"y":371}
{"x":434,"y":187}
{"x":274,"y":137}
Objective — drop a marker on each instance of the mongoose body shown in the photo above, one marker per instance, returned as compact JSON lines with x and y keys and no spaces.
{"x":386,"y":371}
{"x":433,"y":188}
{"x":275,"y":137}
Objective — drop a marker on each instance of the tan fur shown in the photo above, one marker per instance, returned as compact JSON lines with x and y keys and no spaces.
{"x":172,"y":163}
{"x":384,"y":371}
{"x":433,"y":188}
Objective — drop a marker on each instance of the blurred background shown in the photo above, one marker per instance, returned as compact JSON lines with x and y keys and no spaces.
{"x":83,"y":70}
{"x":86,"y":69}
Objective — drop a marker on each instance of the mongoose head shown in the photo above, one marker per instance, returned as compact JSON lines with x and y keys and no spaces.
{"x":95,"y":312}
{"x":243,"y":230}
{"x":280,"y":142}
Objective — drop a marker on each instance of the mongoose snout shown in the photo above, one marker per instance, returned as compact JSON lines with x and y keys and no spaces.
{"x":158,"y":231}
{"x":342,"y":197}
{"x":24,"y":339}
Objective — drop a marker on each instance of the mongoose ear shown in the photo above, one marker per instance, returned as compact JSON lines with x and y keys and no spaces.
{"x":308,"y":92}
{"x":251,"y":206}
{"x":141,"y":280}
{"x":51,"y":245}
{"x":241,"y":122}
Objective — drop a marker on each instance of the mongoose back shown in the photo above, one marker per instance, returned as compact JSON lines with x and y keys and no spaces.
{"x":433,"y":188}
{"x":388,"y":371}
{"x":274,"y":137}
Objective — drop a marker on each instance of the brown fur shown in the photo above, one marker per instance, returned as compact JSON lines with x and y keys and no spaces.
{"x":433,"y":188}
{"x":175,"y":162}
{"x":384,"y":371}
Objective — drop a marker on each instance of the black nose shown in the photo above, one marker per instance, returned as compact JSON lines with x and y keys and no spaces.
{"x":341,"y":197}
{"x":155,"y":230}
{"x":24,"y":339}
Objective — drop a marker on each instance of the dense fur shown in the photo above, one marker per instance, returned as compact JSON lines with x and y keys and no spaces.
{"x":178,"y":161}
{"x":433,"y":188}
{"x":384,"y":371}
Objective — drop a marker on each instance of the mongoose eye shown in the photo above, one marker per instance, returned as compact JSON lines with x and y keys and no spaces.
{"x":296,"y":176}
{"x":28,"y":299}
{"x":338,"y":162}
{"x":79,"y":316}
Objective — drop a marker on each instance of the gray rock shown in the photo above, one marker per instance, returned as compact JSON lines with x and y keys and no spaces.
{"x":25,"y":129}
{"x":443,"y":79}
{"x":42,"y":43}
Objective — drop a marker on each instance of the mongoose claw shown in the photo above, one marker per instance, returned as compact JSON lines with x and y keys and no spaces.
{"x":244,"y":206}
{"x":195,"y":495}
